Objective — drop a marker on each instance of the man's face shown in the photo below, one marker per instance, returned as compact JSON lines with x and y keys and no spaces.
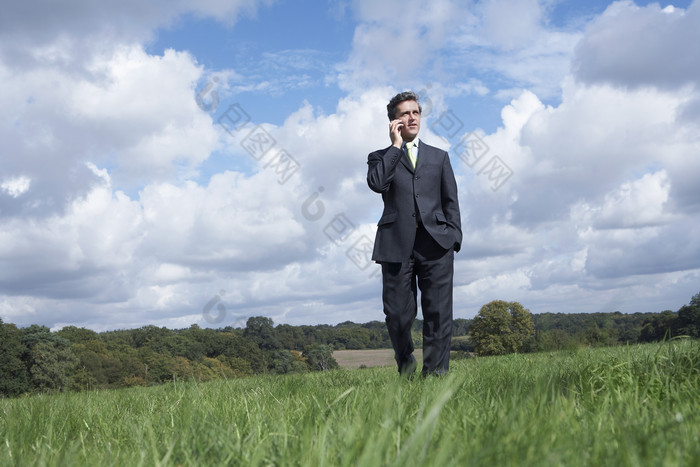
{"x":409,"y":114}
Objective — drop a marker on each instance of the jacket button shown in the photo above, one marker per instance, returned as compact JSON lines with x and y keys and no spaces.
{"x":414,"y":214}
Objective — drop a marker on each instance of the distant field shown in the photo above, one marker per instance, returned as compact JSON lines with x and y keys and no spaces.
{"x":621,"y":406}
{"x":369,"y":358}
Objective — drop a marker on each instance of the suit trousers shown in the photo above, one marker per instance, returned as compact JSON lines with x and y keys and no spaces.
{"x":431,"y":268}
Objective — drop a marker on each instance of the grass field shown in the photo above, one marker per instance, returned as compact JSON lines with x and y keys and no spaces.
{"x":623,"y":406}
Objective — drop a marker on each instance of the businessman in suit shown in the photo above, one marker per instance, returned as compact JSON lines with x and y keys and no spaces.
{"x":417,"y":235}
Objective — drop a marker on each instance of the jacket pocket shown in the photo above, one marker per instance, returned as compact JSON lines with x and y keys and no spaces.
{"x":440,"y":218}
{"x":387,"y":218}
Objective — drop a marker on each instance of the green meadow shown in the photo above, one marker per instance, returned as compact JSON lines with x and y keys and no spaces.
{"x":620,"y":406}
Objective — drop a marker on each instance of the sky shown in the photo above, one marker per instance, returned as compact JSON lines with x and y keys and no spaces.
{"x":173,"y":163}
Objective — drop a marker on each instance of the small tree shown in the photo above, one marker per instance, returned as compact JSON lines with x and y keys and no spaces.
{"x":284,"y":361}
{"x":659,"y":326}
{"x":52,"y":364}
{"x":688,"y":321}
{"x":261,"y":331}
{"x":320,"y":357}
{"x":501,"y":328}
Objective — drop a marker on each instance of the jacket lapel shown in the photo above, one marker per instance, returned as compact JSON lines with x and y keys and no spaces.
{"x":422,"y":153}
{"x":405,"y":160}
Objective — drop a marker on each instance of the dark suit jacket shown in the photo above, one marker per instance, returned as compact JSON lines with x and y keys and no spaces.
{"x":427,"y":195}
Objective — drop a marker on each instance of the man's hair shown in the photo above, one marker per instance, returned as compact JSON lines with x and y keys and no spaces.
{"x":399,"y":98}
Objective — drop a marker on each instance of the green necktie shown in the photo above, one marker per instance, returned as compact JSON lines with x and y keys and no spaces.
{"x":411,"y":151}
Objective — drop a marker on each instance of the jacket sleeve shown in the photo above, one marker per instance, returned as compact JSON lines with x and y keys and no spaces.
{"x":382,"y":167}
{"x":450,"y":201}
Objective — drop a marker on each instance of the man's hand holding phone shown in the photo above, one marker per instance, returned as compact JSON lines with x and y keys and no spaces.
{"x":395,"y":127}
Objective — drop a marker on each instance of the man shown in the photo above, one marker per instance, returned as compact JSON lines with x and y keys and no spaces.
{"x":417,"y":236}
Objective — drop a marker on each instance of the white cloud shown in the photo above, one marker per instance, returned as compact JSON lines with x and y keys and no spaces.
{"x":463,"y":44}
{"x":629,"y":45}
{"x":595,"y":140}
{"x":599,"y":204}
{"x":133,"y":112}
{"x":142,"y":109}
{"x":511,"y":24}
{"x":106,"y":222}
{"x":514,"y":40}
{"x":234,"y":223}
{"x":636,"y":204}
{"x":16,"y":186}
{"x":168,"y":251}
{"x":63,"y":35}
{"x":395,"y":46}
{"x":98,"y":232}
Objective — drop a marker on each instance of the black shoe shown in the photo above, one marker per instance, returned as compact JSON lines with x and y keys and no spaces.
{"x":408,"y":368}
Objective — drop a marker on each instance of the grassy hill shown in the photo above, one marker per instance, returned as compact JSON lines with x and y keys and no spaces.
{"x":617,"y":406}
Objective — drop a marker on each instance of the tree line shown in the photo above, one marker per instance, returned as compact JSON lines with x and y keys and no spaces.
{"x":35,"y":359}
